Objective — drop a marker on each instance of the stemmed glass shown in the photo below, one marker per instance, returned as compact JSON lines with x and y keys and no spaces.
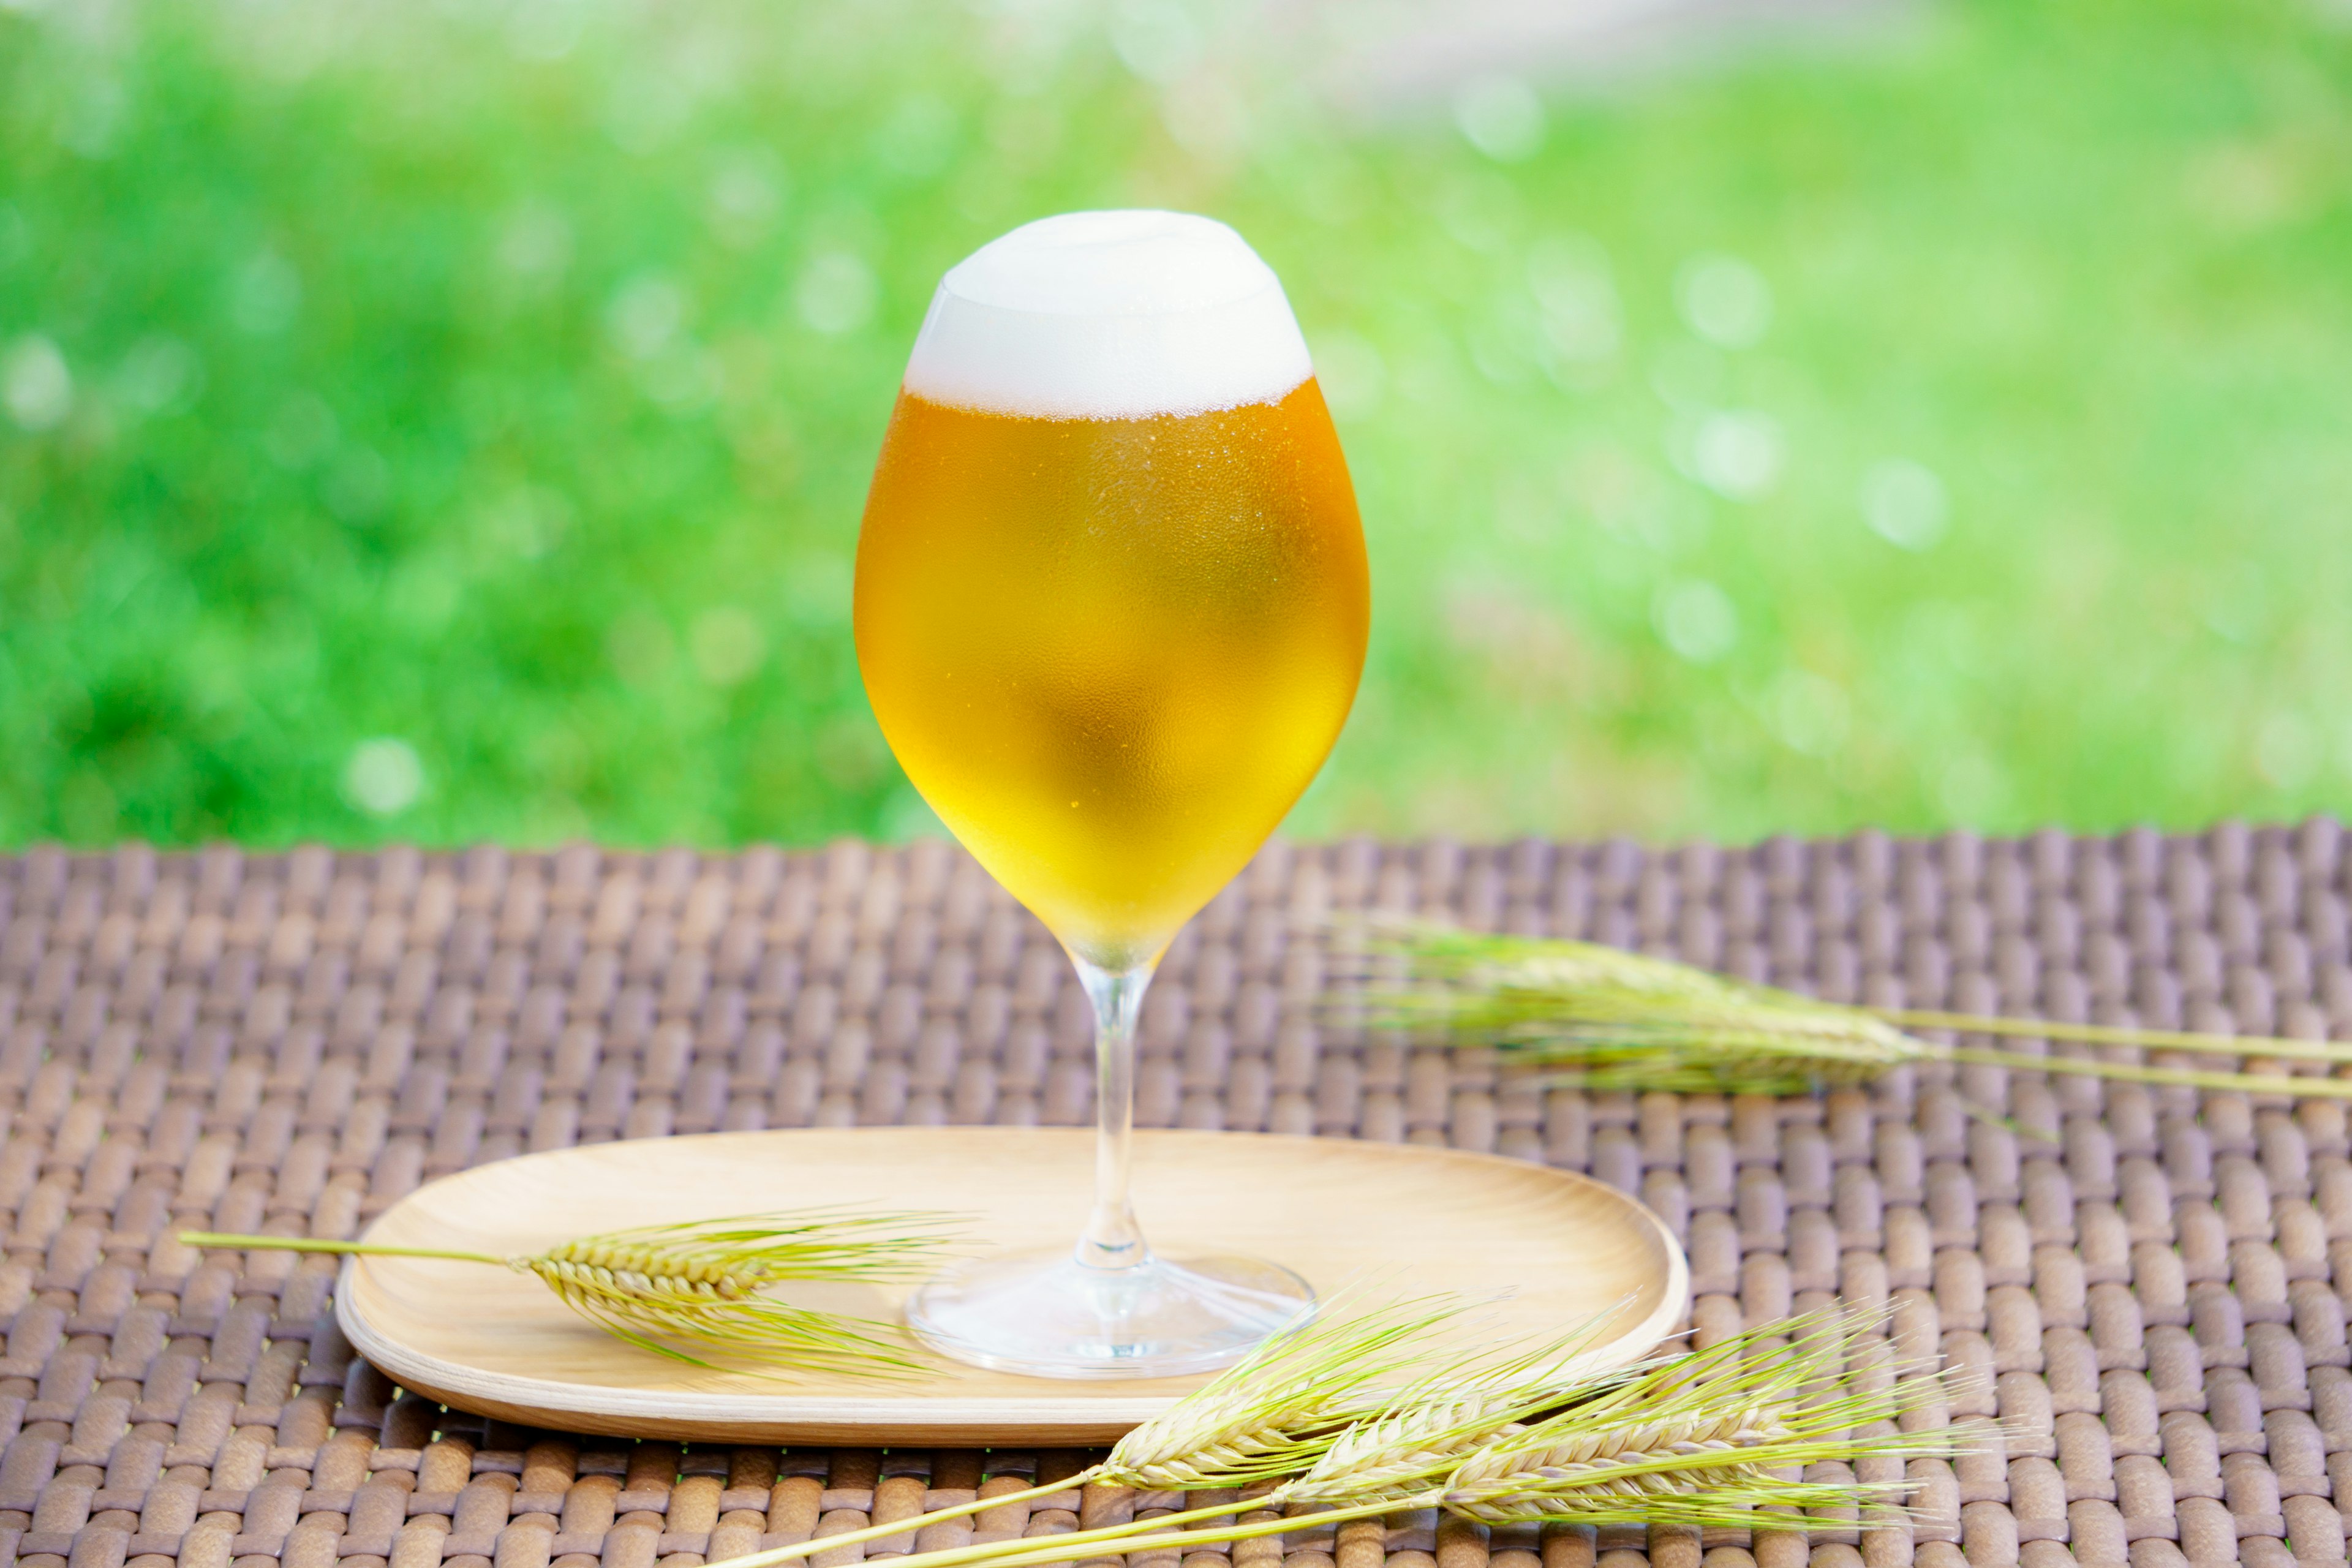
{"x":1112,"y":609}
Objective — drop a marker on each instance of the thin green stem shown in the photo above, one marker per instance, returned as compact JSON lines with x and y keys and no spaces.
{"x":307,"y":1244}
{"x":799,"y":1549}
{"x":2181,"y":1077}
{"x":2117,"y":1034}
{"x":1132,"y":1537}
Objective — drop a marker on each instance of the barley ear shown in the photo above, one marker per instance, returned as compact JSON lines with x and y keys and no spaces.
{"x":1277,"y":1409}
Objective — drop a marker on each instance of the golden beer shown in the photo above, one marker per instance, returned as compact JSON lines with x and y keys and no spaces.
{"x":1110,"y":653}
{"x":1112,"y":609}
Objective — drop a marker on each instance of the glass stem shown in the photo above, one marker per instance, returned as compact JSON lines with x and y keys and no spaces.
{"x":1112,"y":1238}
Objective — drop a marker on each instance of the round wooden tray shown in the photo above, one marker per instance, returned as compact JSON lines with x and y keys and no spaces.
{"x":1556,"y":1248}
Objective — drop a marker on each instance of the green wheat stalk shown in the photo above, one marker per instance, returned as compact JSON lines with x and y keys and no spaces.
{"x":663,"y":1286}
{"x":1603,"y":1018}
{"x":1268,"y":1415}
{"x":1700,"y":1439}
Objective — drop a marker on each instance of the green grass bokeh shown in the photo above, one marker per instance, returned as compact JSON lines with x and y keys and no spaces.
{"x":504,"y":383}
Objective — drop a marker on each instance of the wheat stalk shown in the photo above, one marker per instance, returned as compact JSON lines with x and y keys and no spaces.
{"x":699,"y":1283}
{"x":1270,"y":1414}
{"x":1425,"y":1428}
{"x":1281,"y":1406}
{"x":1696,"y":1438}
{"x":1603,"y":1019}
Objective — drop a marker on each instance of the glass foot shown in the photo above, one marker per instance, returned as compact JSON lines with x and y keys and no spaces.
{"x":1045,"y":1315}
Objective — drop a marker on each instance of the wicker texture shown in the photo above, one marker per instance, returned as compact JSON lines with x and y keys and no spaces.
{"x":2153,"y":1280}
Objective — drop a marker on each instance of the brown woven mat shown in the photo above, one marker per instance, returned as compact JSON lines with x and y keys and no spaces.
{"x":2153,"y":1281}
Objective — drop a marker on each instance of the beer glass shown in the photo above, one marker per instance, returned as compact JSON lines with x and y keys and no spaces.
{"x":1111,"y":607}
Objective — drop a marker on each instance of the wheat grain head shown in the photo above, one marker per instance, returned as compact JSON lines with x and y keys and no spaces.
{"x":1278,"y":1409}
{"x":1697,"y":1439}
{"x":1426,"y":1427}
{"x":1606,"y":1018}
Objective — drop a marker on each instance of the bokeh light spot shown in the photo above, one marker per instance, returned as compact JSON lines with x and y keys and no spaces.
{"x":36,"y":384}
{"x":836,"y":293}
{"x":535,"y":242}
{"x":645,"y":316}
{"x":726,"y":645}
{"x":1157,"y":39}
{"x":160,"y":373}
{"x":1738,"y":455}
{"x":266,"y":294}
{"x":1502,"y":117}
{"x":1808,"y":712}
{"x":1905,"y":504}
{"x":1724,"y":300}
{"x":2287,"y":749}
{"x":382,"y":776}
{"x":746,"y":196}
{"x":1697,"y":620}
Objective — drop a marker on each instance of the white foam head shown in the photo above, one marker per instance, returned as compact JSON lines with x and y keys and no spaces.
{"x":1109,"y":315}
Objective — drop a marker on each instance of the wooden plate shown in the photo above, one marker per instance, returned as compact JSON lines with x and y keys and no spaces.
{"x":1400,"y":1220}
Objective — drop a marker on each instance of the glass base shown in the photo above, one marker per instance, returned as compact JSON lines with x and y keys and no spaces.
{"x":1045,"y":1315}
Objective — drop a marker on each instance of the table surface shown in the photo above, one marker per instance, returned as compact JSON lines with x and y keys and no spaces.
{"x":2152,"y":1282}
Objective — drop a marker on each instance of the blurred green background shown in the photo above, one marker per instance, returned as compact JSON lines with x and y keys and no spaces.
{"x":450,"y":421}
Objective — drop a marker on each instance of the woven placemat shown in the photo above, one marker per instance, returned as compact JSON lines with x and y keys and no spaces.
{"x":2151,"y":1279}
